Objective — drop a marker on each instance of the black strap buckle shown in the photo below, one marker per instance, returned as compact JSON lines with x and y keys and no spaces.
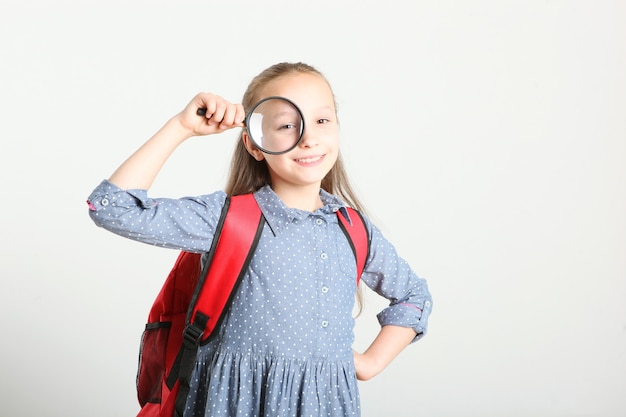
{"x":192,"y":336}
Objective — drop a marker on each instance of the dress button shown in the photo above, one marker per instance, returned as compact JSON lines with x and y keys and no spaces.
{"x":324,"y":256}
{"x":104,"y":201}
{"x":325,"y":323}
{"x":324,"y":290}
{"x":319,"y":221}
{"x":427,"y":304}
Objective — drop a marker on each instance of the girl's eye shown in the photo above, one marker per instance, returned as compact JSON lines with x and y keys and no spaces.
{"x":322,"y":121}
{"x":287,"y":126}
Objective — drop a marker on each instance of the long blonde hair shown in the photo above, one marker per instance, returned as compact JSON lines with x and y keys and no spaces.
{"x":248,"y":175}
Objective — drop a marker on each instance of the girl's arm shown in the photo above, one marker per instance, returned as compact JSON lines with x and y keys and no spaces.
{"x":388,"y":344}
{"x":405,"y":320}
{"x":142,"y":167}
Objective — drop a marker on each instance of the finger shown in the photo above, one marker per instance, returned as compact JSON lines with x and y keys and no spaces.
{"x":232,"y":116}
{"x":218,"y":112}
{"x":240,"y":114}
{"x":206,"y":105}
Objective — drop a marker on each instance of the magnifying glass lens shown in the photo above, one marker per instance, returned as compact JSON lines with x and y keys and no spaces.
{"x":275,"y":125}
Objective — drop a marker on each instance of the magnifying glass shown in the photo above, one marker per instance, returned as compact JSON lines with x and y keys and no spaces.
{"x":275,"y":124}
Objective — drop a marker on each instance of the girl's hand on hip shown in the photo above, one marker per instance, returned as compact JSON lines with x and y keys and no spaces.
{"x":391,"y":340}
{"x":220,"y":115}
{"x":366,"y":367}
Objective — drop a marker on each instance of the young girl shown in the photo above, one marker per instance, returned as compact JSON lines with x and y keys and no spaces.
{"x":284,"y":349}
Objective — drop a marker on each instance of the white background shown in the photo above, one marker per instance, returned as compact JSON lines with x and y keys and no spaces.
{"x":487,"y":139}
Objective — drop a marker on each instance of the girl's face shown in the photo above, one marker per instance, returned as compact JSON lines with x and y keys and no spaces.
{"x":309,"y":162}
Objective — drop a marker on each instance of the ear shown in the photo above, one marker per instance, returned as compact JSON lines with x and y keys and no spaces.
{"x":251,"y":148}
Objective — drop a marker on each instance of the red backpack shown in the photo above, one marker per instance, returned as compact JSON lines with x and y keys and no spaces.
{"x":192,"y":302}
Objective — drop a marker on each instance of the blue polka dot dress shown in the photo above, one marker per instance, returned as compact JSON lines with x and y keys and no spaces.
{"x":285,"y":347}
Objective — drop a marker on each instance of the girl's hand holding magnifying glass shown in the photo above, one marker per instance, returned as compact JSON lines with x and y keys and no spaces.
{"x":220,"y":115}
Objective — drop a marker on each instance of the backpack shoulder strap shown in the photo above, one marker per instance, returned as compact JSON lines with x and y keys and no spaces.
{"x":233,"y":247}
{"x":236,"y":237}
{"x":358,"y":237}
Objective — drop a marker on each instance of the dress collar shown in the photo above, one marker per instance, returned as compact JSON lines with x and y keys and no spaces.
{"x":279,"y":216}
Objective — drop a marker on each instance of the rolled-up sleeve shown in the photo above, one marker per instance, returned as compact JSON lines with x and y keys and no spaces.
{"x":186,"y":223}
{"x":390,"y":276}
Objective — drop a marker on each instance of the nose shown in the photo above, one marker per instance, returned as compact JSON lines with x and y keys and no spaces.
{"x":309,"y":138}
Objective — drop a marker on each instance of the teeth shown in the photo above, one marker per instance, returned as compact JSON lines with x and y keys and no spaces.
{"x":309,"y":160}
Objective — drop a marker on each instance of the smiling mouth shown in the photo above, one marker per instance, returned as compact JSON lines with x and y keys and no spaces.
{"x":309,"y":160}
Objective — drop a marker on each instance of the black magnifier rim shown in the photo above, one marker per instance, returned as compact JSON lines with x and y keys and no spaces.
{"x":247,"y":119}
